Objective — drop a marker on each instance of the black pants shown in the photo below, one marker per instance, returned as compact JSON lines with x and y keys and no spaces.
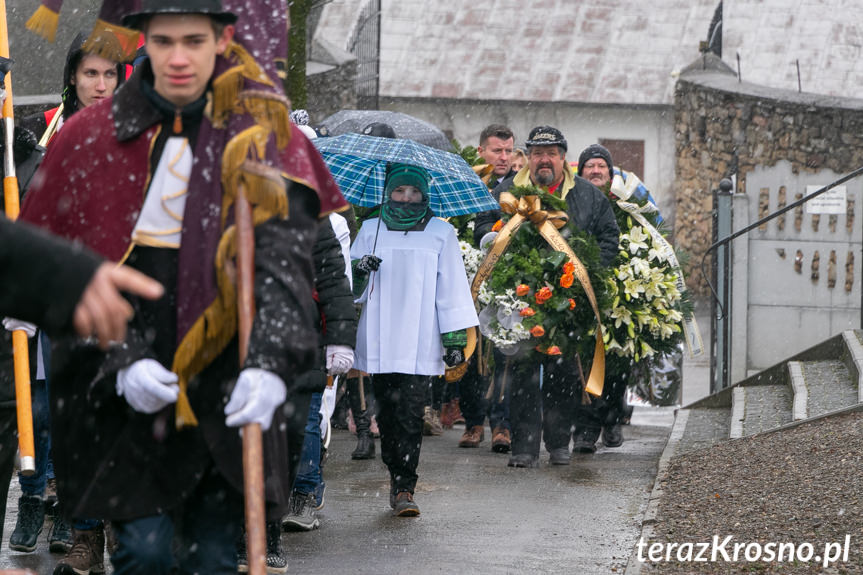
{"x":437,"y":390}
{"x":547,"y":410}
{"x":400,"y":400}
{"x":8,"y":448}
{"x":292,"y":418}
{"x":474,"y":404}
{"x":607,"y":409}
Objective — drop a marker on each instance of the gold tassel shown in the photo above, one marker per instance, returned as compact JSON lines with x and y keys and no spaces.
{"x":185,"y":417}
{"x":44,"y":23}
{"x":270,"y":110}
{"x":237,"y":151}
{"x":210,"y":334}
{"x":251,"y":69}
{"x":226,"y":91}
{"x":112,"y":42}
{"x":227,"y":87}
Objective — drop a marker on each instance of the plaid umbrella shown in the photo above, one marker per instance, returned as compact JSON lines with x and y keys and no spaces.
{"x":358,"y":164}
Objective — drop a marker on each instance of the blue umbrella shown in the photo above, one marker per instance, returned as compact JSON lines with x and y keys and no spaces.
{"x":358,"y":164}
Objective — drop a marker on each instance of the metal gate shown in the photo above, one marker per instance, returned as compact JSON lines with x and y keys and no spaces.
{"x":366,"y":46}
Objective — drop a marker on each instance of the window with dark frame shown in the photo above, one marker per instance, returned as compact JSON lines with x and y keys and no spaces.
{"x":626,"y":154}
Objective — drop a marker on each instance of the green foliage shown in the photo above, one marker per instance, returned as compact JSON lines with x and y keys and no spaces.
{"x":549,"y":201}
{"x":530,"y":261}
{"x":469,"y":153}
{"x":464,"y":227}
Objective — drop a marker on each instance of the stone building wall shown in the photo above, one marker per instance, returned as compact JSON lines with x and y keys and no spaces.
{"x":331,"y":91}
{"x":723,"y":127}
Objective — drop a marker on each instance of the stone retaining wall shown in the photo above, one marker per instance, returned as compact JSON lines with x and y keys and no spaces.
{"x":724,"y":127}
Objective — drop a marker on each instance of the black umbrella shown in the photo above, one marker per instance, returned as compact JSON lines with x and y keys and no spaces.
{"x":405,"y":126}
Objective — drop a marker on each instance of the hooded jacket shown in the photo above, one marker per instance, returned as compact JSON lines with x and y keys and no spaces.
{"x":38,"y":123}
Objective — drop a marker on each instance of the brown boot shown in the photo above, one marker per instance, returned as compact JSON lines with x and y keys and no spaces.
{"x":446,"y":415}
{"x":501,"y":441}
{"x":457,"y":417}
{"x":472,"y":436}
{"x":431,"y":422}
{"x":86,"y":555}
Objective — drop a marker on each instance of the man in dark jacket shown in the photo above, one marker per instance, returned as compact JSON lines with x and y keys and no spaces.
{"x":157,"y":181}
{"x":496,"y":144}
{"x":561,"y":387}
{"x":587,"y":207}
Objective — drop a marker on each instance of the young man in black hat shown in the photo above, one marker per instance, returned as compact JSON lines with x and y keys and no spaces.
{"x":590,"y":211}
{"x":155,"y":185}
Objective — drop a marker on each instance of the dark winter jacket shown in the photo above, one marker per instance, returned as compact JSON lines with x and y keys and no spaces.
{"x":32,"y":266}
{"x":338,"y":315}
{"x":588,"y":208}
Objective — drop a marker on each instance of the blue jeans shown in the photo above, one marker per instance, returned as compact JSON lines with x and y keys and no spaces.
{"x":35,"y":484}
{"x":309,"y":478}
{"x":209,"y":525}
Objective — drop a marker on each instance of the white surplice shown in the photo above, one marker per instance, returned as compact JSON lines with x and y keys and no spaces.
{"x":419,"y":292}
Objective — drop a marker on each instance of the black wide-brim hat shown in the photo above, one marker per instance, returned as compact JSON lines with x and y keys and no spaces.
{"x":211,"y":8}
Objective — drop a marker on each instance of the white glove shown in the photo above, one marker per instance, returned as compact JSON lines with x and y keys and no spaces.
{"x":328,"y":405}
{"x":12,"y":324}
{"x":487,"y":240}
{"x":256,"y":396}
{"x":340,"y":359}
{"x":147,"y":386}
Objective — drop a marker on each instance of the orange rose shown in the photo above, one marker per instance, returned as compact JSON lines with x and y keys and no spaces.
{"x":498,"y":225}
{"x":571,"y":303}
{"x":526,"y":312}
{"x":522,"y":290}
{"x":537,"y":331}
{"x":568,"y":268}
{"x":566,"y":280}
{"x":553,"y":350}
{"x":543,"y":295}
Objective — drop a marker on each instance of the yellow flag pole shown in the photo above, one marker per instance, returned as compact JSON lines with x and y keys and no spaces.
{"x":19,"y":337}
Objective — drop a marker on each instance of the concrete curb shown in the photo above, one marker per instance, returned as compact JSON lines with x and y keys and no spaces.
{"x":738,"y":412}
{"x":856,"y":350}
{"x":634,"y":566}
{"x":800,"y":404}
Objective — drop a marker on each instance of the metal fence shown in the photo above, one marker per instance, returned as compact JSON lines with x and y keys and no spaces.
{"x":366,"y":46}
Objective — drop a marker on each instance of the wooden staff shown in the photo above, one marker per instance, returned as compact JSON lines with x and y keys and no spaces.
{"x":52,"y":127}
{"x":20,"y":347}
{"x":253,"y":451}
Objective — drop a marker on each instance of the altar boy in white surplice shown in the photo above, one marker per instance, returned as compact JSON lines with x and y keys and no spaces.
{"x":417,"y":306}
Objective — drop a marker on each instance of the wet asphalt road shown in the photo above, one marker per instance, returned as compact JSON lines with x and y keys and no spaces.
{"x":478,"y":515}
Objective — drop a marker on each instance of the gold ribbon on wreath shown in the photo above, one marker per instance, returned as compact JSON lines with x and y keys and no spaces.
{"x":547,"y":222}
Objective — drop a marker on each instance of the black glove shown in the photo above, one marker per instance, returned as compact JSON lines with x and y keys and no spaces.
{"x":25,"y":143}
{"x":369,"y":263}
{"x":453,"y":356}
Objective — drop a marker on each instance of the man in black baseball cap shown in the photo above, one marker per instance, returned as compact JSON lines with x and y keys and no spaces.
{"x":590,"y":211}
